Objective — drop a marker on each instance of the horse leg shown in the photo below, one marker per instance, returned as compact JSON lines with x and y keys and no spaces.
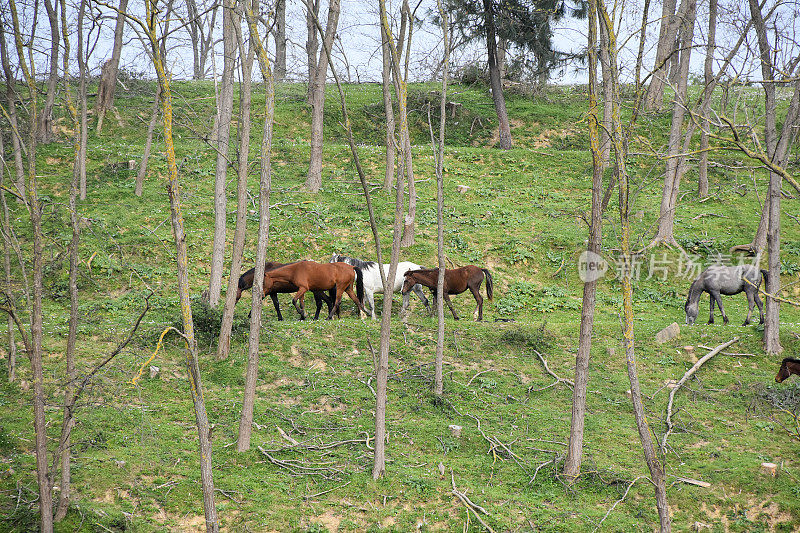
{"x":718,"y":298}
{"x":711,"y":307}
{"x":370,"y":296}
{"x":421,"y":295}
{"x":450,"y":305}
{"x":750,"y":303}
{"x":318,"y":301}
{"x":478,"y":314}
{"x":301,"y":297}
{"x":361,"y":309}
{"x":336,"y":303}
{"x":274,"y":297}
{"x":760,"y":305}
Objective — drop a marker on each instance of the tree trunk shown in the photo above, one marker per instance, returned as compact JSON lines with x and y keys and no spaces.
{"x":389,"y":112}
{"x":11,"y":99}
{"x":438,"y":384}
{"x":34,"y":350}
{"x":83,"y":102}
{"x":409,"y":221}
{"x":224,"y":114}
{"x":148,"y":143}
{"x":279,"y":34}
{"x":108,"y":77}
{"x":314,"y":179}
{"x":241,"y":201}
{"x":702,"y":183}
{"x":653,"y":463}
{"x":674,"y":167}
{"x":201,"y":39}
{"x":572,"y":464}
{"x":495,"y":81}
{"x":11,"y":363}
{"x":45,"y":125}
{"x":312,"y":14}
{"x":502,"y":65}
{"x":251,"y":376}
{"x":173,"y":189}
{"x":666,"y":43}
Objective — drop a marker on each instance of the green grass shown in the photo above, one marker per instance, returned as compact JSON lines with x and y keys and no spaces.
{"x":135,"y":453}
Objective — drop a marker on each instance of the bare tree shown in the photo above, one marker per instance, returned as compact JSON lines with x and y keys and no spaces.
{"x":438,"y":385}
{"x":108,"y":76}
{"x":173,"y":189}
{"x":33,"y":347}
{"x":653,"y":463}
{"x":667,"y":40}
{"x":314,"y":179}
{"x":495,"y":80}
{"x":243,"y":129}
{"x":222,"y":127}
{"x":388,"y":111}
{"x":312,"y":44}
{"x":148,"y":144}
{"x":572,"y":464}
{"x":17,"y":143}
{"x":279,"y":34}
{"x":702,"y":182}
{"x":251,"y":376}
{"x":45,"y":125}
{"x":674,"y":164}
{"x":83,"y":103}
{"x":11,"y":362}
{"x":201,"y":31}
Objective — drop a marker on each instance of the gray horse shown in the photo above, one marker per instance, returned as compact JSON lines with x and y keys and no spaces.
{"x":717,"y":280}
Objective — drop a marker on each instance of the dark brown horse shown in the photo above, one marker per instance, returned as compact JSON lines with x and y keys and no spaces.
{"x":313,"y":276}
{"x":789,"y":366}
{"x":246,"y":282}
{"x":456,"y":281}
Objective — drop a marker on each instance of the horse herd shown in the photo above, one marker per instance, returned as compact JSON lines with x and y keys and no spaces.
{"x":329,"y":282}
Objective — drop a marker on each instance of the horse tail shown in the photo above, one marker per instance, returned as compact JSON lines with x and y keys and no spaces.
{"x":359,"y":285}
{"x":489,"y":283}
{"x":765,"y":275}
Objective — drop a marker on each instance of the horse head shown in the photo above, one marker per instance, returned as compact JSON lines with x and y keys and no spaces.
{"x":691,"y":309}
{"x":408,"y":281}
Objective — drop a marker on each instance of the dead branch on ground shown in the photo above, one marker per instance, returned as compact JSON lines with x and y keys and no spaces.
{"x":558,"y":379}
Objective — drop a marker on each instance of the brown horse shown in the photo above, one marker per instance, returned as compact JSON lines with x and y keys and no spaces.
{"x":246,"y":282}
{"x":313,"y":276}
{"x":789,"y":366}
{"x":456,"y":281}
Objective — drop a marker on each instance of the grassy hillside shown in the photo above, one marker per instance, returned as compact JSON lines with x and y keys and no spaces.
{"x":135,"y":466}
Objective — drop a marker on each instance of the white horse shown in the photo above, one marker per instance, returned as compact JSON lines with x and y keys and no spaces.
{"x":372,"y":279}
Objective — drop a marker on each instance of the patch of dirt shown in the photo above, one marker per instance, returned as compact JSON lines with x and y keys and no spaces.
{"x":191,"y":523}
{"x":757,"y":510}
{"x":318,"y":365}
{"x":329,"y":519}
{"x":326,"y":405}
{"x":281,"y":382}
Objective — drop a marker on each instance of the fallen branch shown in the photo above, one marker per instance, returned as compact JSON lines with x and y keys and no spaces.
{"x":470,"y":505}
{"x":298,"y":469}
{"x":310,"y":496}
{"x":558,"y":379}
{"x":689,"y":373}
{"x":618,"y":501}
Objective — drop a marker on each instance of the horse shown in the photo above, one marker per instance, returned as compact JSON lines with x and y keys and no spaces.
{"x":246,"y":282}
{"x":456,"y":281}
{"x":789,"y":366}
{"x":372,"y":279}
{"x":717,"y":280}
{"x":313,"y":276}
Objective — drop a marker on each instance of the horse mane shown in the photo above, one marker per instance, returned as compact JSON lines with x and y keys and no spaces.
{"x":358,"y":263}
{"x":790,"y":360}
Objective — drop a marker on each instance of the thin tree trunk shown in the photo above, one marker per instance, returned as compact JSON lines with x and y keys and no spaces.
{"x":495,"y":82}
{"x":108,"y":76}
{"x":34,"y":350}
{"x":12,"y":342}
{"x":45,"y":125}
{"x":438,"y":383}
{"x":69,"y":354}
{"x":245,"y":97}
{"x":312,"y":14}
{"x":672,"y":177}
{"x":702,"y":183}
{"x":409,"y":221}
{"x":148,"y":143}
{"x":572,"y":464}
{"x":389,"y":111}
{"x":314,"y":179}
{"x":17,"y":144}
{"x":280,"y":40}
{"x":83,"y":102}
{"x":653,"y":463}
{"x":666,"y":42}
{"x":224,"y":115}
{"x":251,"y":376}
{"x":173,"y":189}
